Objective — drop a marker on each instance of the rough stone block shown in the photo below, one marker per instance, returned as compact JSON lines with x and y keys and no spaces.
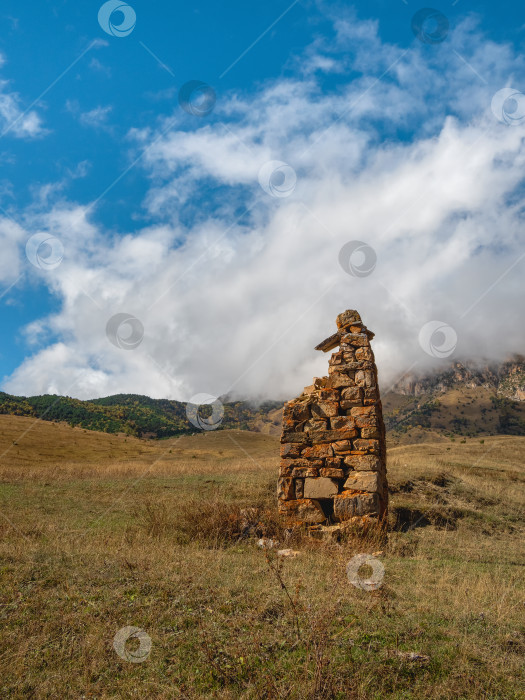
{"x":370,"y":432}
{"x":352,"y":393}
{"x":337,"y":358}
{"x":332,"y":435}
{"x":325,"y":409}
{"x":299,"y":488}
{"x":297,"y":411}
{"x":292,"y":463}
{"x":356,"y":340}
{"x":363,"y":481}
{"x":342,"y":447}
{"x":363,"y":462}
{"x":342,"y":423}
{"x":365,"y":421}
{"x":317,"y":452}
{"x":371,"y":394}
{"x":332,"y":473}
{"x":336,"y":381}
{"x":328,"y":394}
{"x":285,"y":471}
{"x":347,"y":368}
{"x":363,"y":412}
{"x":289,"y":425}
{"x":349,"y":504}
{"x":349,"y":317}
{"x":285,"y":489}
{"x":302,"y":472}
{"x":291,"y":449}
{"x":320,"y":488}
{"x":333,"y":463}
{"x":302,"y":510}
{"x":364,"y":354}
{"x":366,"y":445}
{"x":347,"y":405}
{"x":365,"y":378}
{"x":294,"y":437}
{"x":314,"y":425}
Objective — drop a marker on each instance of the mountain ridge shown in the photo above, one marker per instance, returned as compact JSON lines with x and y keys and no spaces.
{"x":506,"y":378}
{"x":131,"y":414}
{"x":463,"y":399}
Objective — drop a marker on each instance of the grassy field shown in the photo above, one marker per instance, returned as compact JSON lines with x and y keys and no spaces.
{"x":101,"y":532}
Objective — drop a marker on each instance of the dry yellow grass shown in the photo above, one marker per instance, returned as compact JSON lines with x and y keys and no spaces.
{"x":39,"y":449}
{"x":99,"y":532}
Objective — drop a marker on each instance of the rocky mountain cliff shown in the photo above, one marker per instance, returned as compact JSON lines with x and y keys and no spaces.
{"x":506,"y":380}
{"x":464,"y":399}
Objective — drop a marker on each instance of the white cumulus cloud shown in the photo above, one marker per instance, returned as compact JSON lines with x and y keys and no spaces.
{"x":234,"y":287}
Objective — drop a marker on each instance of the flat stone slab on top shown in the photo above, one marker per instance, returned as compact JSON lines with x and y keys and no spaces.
{"x":330,"y":343}
{"x":344,"y":321}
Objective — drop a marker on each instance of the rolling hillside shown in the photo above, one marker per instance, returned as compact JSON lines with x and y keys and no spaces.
{"x":465,"y":400}
{"x":131,"y":414}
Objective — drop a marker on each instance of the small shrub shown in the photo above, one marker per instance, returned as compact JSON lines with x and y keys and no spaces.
{"x":216,"y":521}
{"x":155,"y":519}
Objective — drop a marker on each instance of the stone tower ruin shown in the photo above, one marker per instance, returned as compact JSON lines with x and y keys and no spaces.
{"x":333,"y":453}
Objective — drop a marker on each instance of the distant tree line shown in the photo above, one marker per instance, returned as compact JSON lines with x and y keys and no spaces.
{"x":131,"y":414}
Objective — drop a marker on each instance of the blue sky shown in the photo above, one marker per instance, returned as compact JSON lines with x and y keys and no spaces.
{"x":162,"y":214}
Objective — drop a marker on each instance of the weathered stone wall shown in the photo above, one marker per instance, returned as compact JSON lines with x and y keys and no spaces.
{"x":333,"y":455}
